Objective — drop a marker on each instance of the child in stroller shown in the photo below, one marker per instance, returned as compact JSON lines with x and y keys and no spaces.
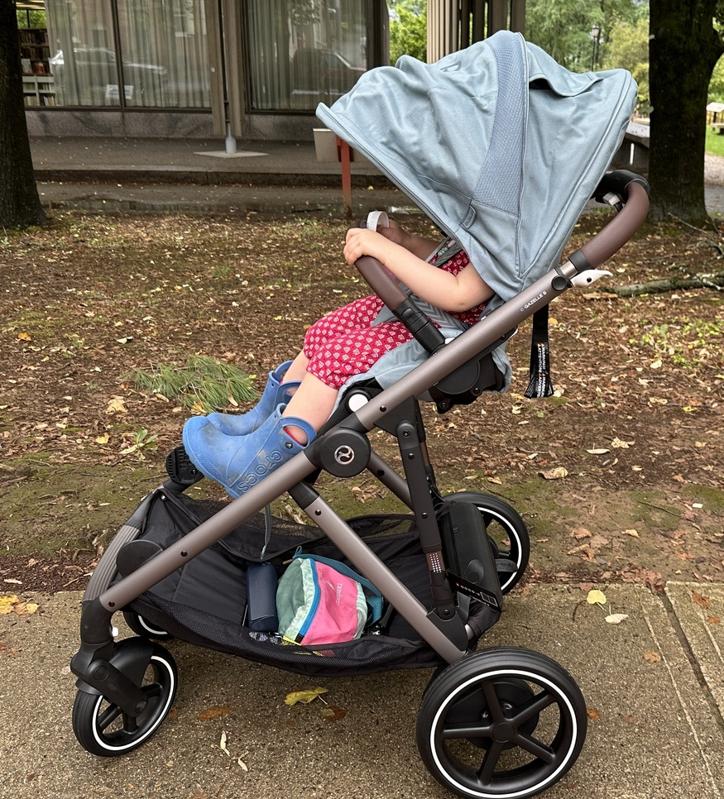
{"x":498,"y":176}
{"x":299,"y":397}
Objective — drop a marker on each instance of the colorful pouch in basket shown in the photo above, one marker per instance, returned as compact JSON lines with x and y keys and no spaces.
{"x":322,"y":601}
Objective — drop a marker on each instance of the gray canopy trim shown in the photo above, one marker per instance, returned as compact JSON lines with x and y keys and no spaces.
{"x":498,"y":144}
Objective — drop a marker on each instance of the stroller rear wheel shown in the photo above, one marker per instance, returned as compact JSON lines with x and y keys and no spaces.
{"x":102,"y":728}
{"x":144,"y":628}
{"x":501,"y":723}
{"x":507,"y":534}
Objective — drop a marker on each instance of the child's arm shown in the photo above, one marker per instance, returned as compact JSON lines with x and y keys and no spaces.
{"x":450,"y":292}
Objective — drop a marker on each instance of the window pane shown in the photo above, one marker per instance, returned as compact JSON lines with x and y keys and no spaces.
{"x":303,"y":52}
{"x":82,"y":54}
{"x":165,"y":60}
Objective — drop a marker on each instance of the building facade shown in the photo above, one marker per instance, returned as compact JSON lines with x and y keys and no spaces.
{"x":203,"y":68}
{"x":192,"y":67}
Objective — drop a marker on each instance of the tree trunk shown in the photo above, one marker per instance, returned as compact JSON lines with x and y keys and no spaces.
{"x":19,"y":203}
{"x":684,"y":48}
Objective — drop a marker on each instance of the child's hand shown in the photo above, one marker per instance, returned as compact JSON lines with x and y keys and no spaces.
{"x":361,"y":242}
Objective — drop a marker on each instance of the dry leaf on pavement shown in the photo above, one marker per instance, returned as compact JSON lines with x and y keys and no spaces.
{"x":303,"y":696}
{"x":596,"y":597}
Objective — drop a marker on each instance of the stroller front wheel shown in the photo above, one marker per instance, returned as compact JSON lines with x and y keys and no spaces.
{"x":501,"y":723}
{"x":103,"y":729}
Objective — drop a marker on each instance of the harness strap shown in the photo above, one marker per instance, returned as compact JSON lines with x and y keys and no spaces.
{"x":540,"y":384}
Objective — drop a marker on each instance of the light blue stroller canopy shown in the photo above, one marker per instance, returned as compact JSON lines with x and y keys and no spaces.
{"x":498,"y":144}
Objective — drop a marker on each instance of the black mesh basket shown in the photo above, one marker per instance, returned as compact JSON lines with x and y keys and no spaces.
{"x":204,"y":602}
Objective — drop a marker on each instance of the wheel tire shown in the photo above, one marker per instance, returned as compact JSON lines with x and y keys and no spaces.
{"x":144,"y":628}
{"x":88,"y":717}
{"x":459,"y":689}
{"x":508,"y":517}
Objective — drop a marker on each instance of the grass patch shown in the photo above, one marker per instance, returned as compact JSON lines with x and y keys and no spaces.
{"x":714,"y":142}
{"x":202,"y":385}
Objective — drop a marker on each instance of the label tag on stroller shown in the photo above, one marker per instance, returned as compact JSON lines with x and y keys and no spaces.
{"x":474,"y":591}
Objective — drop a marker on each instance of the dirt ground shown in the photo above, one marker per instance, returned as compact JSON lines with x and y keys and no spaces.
{"x":636,"y":421}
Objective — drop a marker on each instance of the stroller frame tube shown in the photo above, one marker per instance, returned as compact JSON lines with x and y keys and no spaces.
{"x":484,"y":335}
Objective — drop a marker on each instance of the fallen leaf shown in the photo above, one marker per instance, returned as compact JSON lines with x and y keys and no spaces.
{"x":216,"y":712}
{"x":596,"y":597}
{"x":632,"y":532}
{"x":333,"y":713}
{"x":713,"y":619}
{"x":581,"y":532}
{"x":102,"y":439}
{"x":303,"y":696}
{"x":116,"y":405}
{"x":652,"y":657}
{"x":27,"y":607}
{"x":657,"y":364}
{"x":619,"y":443}
{"x":222,"y":744}
{"x":593,"y":713}
{"x":616,"y":618}
{"x":7,"y":601}
{"x":598,"y":451}
{"x":240,"y":762}
{"x":495,"y":480}
{"x":13,"y":581}
{"x":24,"y":336}
{"x":701,"y":600}
{"x":557,"y":473}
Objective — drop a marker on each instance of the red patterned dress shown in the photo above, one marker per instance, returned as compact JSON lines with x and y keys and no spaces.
{"x":345,"y":343}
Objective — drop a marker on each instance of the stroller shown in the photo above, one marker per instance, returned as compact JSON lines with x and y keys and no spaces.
{"x":481,"y":141}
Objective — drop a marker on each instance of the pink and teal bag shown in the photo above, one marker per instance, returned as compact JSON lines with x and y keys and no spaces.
{"x":322,"y":601}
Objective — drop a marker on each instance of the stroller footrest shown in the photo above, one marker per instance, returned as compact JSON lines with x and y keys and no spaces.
{"x":180,"y":469}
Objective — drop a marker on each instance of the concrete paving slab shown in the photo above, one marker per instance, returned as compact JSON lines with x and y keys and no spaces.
{"x":700,"y":612}
{"x":651,"y":736}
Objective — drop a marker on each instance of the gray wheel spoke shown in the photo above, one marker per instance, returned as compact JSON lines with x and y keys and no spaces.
{"x":487,"y":767}
{"x":467,"y":730}
{"x":108,"y":716}
{"x":535,"y":747}
{"x":534,"y":705}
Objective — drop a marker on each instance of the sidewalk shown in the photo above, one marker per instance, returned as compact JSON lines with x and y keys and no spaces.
{"x":651,"y":683}
{"x":178,"y":161}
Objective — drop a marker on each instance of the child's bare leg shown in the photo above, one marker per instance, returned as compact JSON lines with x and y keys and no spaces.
{"x":313,"y":402}
{"x":297,"y":370}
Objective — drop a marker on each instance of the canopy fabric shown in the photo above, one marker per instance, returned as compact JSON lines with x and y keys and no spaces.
{"x":499,"y":144}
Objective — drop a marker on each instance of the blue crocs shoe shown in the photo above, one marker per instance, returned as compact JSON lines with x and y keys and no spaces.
{"x":275,"y":392}
{"x":240,"y":462}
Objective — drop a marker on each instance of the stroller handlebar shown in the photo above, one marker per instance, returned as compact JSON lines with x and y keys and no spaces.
{"x":630,"y":194}
{"x":381,"y":281}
